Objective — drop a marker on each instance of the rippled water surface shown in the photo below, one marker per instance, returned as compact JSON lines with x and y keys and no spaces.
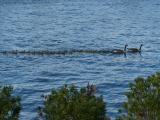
{"x":67,"y":25}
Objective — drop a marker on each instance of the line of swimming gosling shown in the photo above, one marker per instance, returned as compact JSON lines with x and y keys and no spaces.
{"x":54,"y":52}
{"x":117,"y":51}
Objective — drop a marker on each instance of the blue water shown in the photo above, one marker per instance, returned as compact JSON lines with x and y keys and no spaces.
{"x":74,"y":24}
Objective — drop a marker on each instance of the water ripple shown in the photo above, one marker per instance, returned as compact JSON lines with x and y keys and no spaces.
{"x":71,"y":25}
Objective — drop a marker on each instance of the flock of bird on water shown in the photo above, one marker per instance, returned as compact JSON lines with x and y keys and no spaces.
{"x":116,"y":51}
{"x":129,"y":49}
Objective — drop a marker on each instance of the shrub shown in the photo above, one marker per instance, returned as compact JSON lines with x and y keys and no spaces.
{"x":69,"y":103}
{"x":143,"y":99}
{"x":9,"y":106}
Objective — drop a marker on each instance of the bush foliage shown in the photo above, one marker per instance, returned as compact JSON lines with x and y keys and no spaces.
{"x":69,"y":103}
{"x":9,"y":106}
{"x":143,"y":99}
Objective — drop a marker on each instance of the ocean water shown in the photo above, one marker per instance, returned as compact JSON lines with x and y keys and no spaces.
{"x":73,"y":24}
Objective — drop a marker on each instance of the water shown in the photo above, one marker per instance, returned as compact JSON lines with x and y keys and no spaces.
{"x":67,"y":25}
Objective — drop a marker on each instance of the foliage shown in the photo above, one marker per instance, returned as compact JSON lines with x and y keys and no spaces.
{"x":69,"y":103}
{"x":9,"y":106}
{"x":143,"y":99}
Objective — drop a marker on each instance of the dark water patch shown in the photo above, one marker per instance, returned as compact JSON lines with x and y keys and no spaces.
{"x":47,"y":73}
{"x":42,"y":79}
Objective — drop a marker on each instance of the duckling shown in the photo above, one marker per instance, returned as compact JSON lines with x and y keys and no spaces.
{"x":135,"y":49}
{"x":4,"y":52}
{"x":118,"y":51}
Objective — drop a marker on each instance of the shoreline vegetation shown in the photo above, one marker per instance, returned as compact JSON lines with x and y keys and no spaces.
{"x":70,"y":103}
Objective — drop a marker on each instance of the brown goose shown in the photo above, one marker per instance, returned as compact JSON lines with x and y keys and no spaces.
{"x":135,"y":49}
{"x":118,"y":51}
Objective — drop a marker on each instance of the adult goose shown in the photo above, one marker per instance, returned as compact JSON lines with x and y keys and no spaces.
{"x":135,"y":49}
{"x":118,"y":51}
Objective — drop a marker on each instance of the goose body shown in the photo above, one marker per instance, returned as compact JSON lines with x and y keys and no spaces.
{"x":135,"y":49}
{"x":119,"y":51}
